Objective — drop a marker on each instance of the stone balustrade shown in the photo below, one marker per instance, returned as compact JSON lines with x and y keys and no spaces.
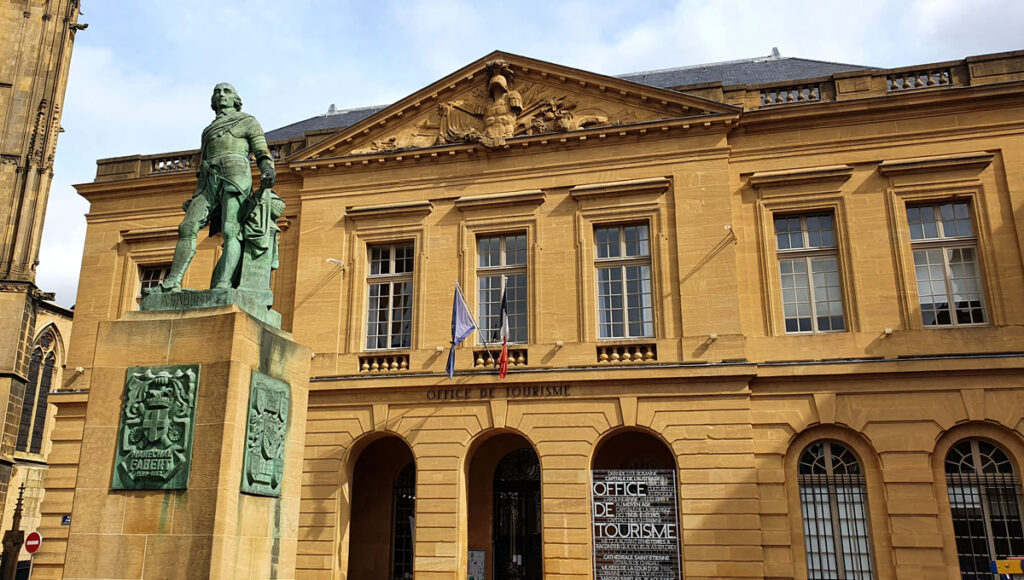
{"x":384,"y":363}
{"x":790,"y":94}
{"x":177,"y":162}
{"x":919,"y":79}
{"x":482,"y":358}
{"x":627,"y":353}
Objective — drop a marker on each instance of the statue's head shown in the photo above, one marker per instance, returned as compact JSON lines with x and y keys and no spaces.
{"x":225,"y":96}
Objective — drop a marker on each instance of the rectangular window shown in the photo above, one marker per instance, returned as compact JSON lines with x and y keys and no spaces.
{"x":151,"y":276}
{"x":501,"y":267}
{"x":946,"y":264}
{"x":809,"y":273}
{"x":624,"y":293}
{"x":389,"y":308}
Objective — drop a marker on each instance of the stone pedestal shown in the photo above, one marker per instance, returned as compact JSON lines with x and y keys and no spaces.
{"x":210,"y":529}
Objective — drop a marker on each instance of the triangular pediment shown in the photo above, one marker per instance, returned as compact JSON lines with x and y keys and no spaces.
{"x":503,"y":97}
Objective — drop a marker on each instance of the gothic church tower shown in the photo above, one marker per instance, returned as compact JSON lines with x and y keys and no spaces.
{"x":36,"y":39}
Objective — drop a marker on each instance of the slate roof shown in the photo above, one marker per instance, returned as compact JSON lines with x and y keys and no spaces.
{"x":753,"y":71}
{"x":330,"y":120}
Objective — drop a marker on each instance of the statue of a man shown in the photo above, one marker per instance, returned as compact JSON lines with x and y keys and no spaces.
{"x":225,"y":181}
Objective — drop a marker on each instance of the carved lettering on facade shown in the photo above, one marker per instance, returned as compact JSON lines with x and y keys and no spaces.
{"x":514,"y":392}
{"x":266,"y":434}
{"x":154,"y":444}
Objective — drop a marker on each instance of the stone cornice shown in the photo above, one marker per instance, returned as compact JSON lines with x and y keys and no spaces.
{"x":618,"y":188}
{"x":788,"y":177}
{"x":145,"y":212}
{"x":149,"y":234}
{"x":565,"y":170}
{"x":390,"y":209}
{"x":534,"y":196}
{"x":599,"y":135}
{"x":975,"y":160}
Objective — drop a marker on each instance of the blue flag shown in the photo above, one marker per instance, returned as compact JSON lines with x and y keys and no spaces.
{"x":462,"y":326}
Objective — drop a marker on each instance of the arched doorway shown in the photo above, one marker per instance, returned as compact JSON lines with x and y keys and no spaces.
{"x":383,"y":504}
{"x":634,"y":508}
{"x":984,"y":500}
{"x":505,"y":508}
{"x":633,"y":450}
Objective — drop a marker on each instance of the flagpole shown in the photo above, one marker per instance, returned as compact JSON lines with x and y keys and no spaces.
{"x":504,"y":332}
{"x":460,"y":311}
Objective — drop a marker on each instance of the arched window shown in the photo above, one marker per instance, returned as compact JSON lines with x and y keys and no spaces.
{"x":833,"y":500}
{"x":29,"y":404}
{"x":40,"y":380}
{"x":984,"y":497}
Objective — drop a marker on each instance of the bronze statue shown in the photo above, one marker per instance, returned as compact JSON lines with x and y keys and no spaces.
{"x":224,"y":200}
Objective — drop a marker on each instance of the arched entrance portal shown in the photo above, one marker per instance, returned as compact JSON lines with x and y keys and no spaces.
{"x":383,"y":511}
{"x":632,"y":450}
{"x":505,"y":508}
{"x":634,"y":508}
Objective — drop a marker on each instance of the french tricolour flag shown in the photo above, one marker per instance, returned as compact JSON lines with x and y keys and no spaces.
{"x":503,"y":333}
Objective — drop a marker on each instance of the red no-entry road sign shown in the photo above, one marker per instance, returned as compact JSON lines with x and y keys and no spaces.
{"x":32,"y":542}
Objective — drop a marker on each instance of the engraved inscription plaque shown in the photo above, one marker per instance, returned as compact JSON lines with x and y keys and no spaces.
{"x":154,"y":444}
{"x":265,"y":435}
{"x":636,"y":529}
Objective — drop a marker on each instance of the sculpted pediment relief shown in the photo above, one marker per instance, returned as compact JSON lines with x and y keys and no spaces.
{"x":501,"y":108}
{"x":504,"y":97}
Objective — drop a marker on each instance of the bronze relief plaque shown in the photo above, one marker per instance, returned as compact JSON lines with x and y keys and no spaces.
{"x":266,"y":434}
{"x":154,"y":443}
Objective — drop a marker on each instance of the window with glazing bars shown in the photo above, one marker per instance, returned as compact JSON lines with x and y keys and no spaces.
{"x":833,"y":500}
{"x":151,"y":277}
{"x":28,"y":407}
{"x":984,"y":499}
{"x":501,"y":267}
{"x":946,"y":264}
{"x":389,"y":305}
{"x":403,"y":509}
{"x":624,"y":291}
{"x":809,"y":273}
{"x":41,"y":371}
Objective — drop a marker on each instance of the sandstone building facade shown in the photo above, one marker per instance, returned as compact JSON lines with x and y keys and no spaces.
{"x":796,"y":287}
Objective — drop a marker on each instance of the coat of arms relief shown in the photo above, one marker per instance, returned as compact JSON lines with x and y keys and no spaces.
{"x":266,"y":435}
{"x":500,"y":109}
{"x":154,"y":446}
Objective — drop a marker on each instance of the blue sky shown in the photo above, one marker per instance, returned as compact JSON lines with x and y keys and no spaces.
{"x":142,"y":72}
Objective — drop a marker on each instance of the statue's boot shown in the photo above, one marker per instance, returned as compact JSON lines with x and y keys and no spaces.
{"x":184,"y":251}
{"x":228,"y":263}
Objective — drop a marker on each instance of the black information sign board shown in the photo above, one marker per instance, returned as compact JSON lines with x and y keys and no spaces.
{"x":636,"y":527}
